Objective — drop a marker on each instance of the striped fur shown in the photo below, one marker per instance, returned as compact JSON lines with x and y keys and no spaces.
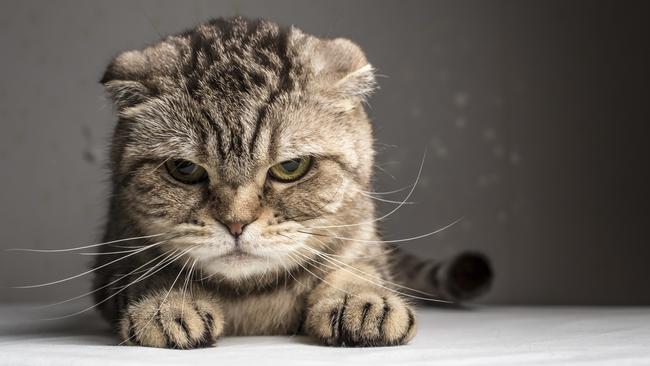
{"x":237,"y":96}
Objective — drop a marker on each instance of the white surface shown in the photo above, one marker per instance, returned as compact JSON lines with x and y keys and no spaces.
{"x":480,"y":336}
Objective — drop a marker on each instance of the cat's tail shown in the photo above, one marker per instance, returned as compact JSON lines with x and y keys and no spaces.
{"x":460,"y":278}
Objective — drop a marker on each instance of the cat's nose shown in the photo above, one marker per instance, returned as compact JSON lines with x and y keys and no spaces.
{"x":236,"y":228}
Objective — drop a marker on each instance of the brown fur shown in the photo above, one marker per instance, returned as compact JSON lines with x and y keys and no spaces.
{"x":236,"y":97}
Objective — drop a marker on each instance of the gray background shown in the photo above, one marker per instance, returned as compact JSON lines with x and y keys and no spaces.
{"x":533,"y":113}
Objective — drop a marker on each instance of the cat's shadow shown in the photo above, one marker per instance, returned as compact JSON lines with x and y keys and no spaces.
{"x":31,"y":324}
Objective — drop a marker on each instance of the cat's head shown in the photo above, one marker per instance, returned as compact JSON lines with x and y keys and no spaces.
{"x":238,"y":138}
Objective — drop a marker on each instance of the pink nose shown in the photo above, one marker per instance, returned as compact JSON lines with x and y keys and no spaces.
{"x":236,"y":228}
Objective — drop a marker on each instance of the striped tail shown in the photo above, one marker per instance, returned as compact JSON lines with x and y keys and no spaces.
{"x":463,"y":277}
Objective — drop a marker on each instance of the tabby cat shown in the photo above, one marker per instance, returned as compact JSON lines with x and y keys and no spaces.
{"x":241,"y":175}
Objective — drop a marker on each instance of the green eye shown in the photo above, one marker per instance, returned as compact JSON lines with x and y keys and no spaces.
{"x":291,"y":170}
{"x":185,"y":171}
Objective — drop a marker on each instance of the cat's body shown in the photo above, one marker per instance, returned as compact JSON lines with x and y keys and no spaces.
{"x":243,"y":159}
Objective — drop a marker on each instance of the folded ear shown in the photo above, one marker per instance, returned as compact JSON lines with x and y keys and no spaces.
{"x":125,"y":79}
{"x":135,"y":76}
{"x":339,"y":65}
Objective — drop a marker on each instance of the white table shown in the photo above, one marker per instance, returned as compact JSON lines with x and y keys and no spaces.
{"x":477,"y":336}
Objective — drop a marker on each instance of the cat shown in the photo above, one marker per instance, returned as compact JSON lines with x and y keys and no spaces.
{"x":241,"y":170}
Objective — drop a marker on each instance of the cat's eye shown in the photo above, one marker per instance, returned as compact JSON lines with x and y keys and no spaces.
{"x":186,"y":171}
{"x":290,"y":170}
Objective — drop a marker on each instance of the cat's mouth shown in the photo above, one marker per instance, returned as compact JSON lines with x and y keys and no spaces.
{"x":238,"y":255}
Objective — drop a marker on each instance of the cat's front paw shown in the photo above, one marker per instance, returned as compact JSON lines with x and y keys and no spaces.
{"x":174,"y":321}
{"x":364,"y":320}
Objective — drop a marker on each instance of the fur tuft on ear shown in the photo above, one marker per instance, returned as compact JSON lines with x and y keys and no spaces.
{"x":338,"y":65}
{"x":360,"y":83}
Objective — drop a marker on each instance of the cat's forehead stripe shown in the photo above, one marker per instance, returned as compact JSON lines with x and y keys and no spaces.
{"x":248,"y":64}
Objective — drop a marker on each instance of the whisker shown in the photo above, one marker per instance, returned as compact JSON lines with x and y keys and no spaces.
{"x":161,"y":262}
{"x":167,"y":261}
{"x":83,"y":247}
{"x":296,"y":261}
{"x":325,"y":256}
{"x":382,"y":253}
{"x":161,"y":303}
{"x":385,"y":200}
{"x":126,"y":246}
{"x":117,"y":252}
{"x":386,"y":192}
{"x":386,"y":287}
{"x":379,"y":167}
{"x":103,"y":287}
{"x":417,"y":179}
{"x":187,"y":279}
{"x":159,"y":165}
{"x":117,"y":292}
{"x":385,"y":241}
{"x":91,"y":270}
{"x":286,"y":271}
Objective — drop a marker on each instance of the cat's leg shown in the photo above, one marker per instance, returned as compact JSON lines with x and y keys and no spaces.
{"x":172,"y":319}
{"x":345,"y":310}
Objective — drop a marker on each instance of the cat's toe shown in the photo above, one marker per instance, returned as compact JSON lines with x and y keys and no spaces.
{"x":172,"y":322}
{"x":364,"y":320}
